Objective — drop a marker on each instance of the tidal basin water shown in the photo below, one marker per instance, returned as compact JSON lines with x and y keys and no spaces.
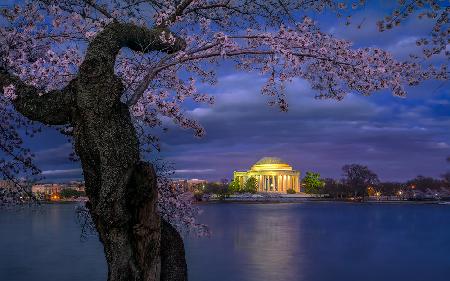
{"x":255,"y":242}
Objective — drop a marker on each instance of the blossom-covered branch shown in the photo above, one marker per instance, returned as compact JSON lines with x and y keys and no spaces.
{"x":436,"y":11}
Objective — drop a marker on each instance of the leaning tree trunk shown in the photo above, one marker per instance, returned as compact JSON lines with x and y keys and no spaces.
{"x":122,"y":190}
{"x":122,"y":201}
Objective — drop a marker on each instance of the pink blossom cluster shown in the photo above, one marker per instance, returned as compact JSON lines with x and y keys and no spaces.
{"x":176,"y":204}
{"x":10,"y":92}
{"x":438,"y":41}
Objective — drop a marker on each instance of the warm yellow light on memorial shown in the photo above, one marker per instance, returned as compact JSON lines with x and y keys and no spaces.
{"x":272,"y":175}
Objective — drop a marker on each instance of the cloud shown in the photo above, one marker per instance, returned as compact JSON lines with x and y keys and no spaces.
{"x":441,"y":145}
{"x":194,"y":171}
{"x":397,"y":138}
{"x":54,"y":155}
{"x":62,"y":175}
{"x":59,"y":173}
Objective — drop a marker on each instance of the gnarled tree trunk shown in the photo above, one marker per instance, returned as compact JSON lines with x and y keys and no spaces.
{"x":122,"y":190}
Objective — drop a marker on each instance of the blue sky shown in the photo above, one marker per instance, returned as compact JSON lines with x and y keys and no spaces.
{"x":398,"y":138}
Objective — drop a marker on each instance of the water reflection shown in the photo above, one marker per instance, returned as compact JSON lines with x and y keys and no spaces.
{"x":249,"y":242}
{"x":260,"y":242}
{"x":322,"y":242}
{"x":43,"y":244}
{"x":271,"y":240}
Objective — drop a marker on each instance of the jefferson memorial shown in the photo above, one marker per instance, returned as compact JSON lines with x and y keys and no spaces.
{"x":272,"y":175}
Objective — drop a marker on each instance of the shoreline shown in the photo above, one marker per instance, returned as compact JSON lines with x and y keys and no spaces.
{"x":317,"y":200}
{"x":284,"y":200}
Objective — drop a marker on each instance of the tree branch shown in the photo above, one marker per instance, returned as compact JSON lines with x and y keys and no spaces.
{"x":99,"y":8}
{"x":53,"y":108}
{"x":193,"y":56}
{"x":179,"y":10}
{"x":103,"y":50}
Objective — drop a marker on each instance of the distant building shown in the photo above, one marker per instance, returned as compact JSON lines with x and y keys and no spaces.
{"x":6,"y":184}
{"x":47,"y":188}
{"x":189,"y":184}
{"x":192,"y":183}
{"x":181,"y":184}
{"x":76,"y":185}
{"x":54,"y":188}
{"x":272,"y":175}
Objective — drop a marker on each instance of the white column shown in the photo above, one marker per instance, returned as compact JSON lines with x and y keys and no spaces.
{"x":281,"y":183}
{"x":262,"y":183}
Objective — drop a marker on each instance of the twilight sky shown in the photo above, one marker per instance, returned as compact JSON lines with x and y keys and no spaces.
{"x":397,"y":138}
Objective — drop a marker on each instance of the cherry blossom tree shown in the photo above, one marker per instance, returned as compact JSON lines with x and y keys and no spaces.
{"x":106,"y":72}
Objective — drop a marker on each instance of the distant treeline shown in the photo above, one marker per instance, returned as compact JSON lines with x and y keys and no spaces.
{"x":418,"y":187}
{"x":358,"y":182}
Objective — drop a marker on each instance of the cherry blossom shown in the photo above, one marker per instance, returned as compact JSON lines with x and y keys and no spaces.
{"x":437,"y":42}
{"x":10,"y":92}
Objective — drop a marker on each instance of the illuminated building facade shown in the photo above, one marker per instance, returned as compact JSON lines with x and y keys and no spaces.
{"x":189,"y":184}
{"x":272,"y":175}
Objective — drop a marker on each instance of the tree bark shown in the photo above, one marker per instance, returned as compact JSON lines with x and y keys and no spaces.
{"x":172,"y":254}
{"x":122,"y":190}
{"x":122,"y":201}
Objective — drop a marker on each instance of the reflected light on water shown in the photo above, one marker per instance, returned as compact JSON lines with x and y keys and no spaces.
{"x":271,"y":241}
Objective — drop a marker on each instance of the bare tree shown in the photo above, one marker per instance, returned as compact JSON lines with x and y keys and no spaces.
{"x":358,"y":178}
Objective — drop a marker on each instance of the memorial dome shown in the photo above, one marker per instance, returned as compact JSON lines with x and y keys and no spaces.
{"x":270,"y":160}
{"x":271,"y":163}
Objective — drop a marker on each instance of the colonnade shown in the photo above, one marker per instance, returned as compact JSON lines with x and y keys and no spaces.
{"x":277,"y":183}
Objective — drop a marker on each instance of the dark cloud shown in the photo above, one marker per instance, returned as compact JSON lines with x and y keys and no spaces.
{"x":55,"y":163}
{"x":55,"y":155}
{"x":398,"y":138}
